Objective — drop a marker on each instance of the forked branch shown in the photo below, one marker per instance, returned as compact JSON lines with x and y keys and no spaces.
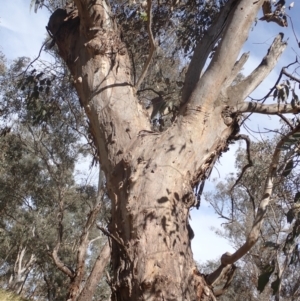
{"x":204,"y":48}
{"x":250,"y":83}
{"x":236,"y":29}
{"x":236,"y":70}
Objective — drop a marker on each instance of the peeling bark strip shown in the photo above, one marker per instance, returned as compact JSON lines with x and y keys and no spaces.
{"x":150,"y":177}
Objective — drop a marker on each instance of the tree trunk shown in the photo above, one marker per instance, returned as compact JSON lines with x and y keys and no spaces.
{"x":152,"y":258}
{"x":150,"y":176}
{"x":21,"y":270}
{"x":96,"y":274}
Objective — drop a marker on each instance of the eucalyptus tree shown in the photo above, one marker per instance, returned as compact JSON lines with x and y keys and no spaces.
{"x":151,"y":171}
{"x":48,"y":218}
{"x":272,"y":265}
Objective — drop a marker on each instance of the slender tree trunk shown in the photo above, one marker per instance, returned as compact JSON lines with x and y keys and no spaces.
{"x":90,"y":286}
{"x":21,"y":271}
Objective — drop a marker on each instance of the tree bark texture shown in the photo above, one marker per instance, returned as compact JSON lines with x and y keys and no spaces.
{"x":150,"y":176}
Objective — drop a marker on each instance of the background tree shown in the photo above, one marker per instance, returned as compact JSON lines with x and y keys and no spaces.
{"x":271,"y":266}
{"x":48,"y":220}
{"x":8,"y":296}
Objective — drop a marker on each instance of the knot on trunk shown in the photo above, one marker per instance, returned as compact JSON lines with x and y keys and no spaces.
{"x":228,"y":115}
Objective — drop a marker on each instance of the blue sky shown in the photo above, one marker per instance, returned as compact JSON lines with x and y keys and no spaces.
{"x":22,"y":33}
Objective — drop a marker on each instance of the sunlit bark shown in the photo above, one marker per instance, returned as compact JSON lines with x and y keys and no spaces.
{"x":150,"y":176}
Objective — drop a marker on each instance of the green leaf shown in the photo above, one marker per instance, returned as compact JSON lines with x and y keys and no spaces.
{"x":295,"y":258}
{"x":284,"y":147}
{"x":297,"y":197}
{"x":290,"y":216}
{"x":35,"y":94}
{"x":288,"y":168}
{"x":287,"y":91}
{"x":290,"y":139}
{"x":296,"y":135}
{"x":144,"y":16}
{"x":271,"y":244}
{"x":275,"y":285}
{"x":275,"y":94}
{"x":281,"y":95}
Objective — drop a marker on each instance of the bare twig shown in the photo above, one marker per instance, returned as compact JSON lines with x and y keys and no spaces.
{"x":118,"y":240}
{"x":286,"y":121}
{"x":296,"y":79}
{"x":293,"y":29}
{"x":150,"y":89}
{"x":31,"y":63}
{"x":250,"y":163}
{"x":152,"y":44}
{"x":278,"y":80}
{"x":251,"y":199}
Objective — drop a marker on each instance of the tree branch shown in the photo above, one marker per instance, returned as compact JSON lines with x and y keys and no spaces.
{"x":250,"y":163}
{"x":60,"y":265}
{"x":96,"y":274}
{"x":236,"y":69}
{"x":296,"y":79}
{"x":271,"y":109}
{"x":203,"y":49}
{"x":278,"y":79}
{"x":152,"y":44}
{"x":83,"y":241}
{"x":286,"y":121}
{"x":250,"y":83}
{"x":238,"y":23}
{"x":229,"y":259}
